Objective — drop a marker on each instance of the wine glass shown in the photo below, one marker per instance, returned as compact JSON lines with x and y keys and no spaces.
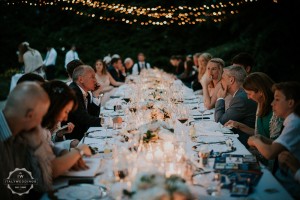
{"x":183,"y":115}
{"x":202,"y":109}
{"x":105,"y":124}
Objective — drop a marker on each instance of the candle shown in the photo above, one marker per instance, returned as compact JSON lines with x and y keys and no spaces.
{"x":170,"y":170}
{"x":149,"y":156}
{"x":168,"y":147}
{"x":158,"y":154}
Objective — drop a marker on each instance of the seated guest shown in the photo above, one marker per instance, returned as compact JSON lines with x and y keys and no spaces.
{"x":31,"y":77}
{"x":194,"y":77}
{"x":258,"y":88}
{"x":186,"y":76}
{"x":106,"y":81}
{"x":140,"y":65}
{"x":202,"y":63}
{"x":128,"y":62}
{"x":240,"y":108}
{"x":21,"y":144}
{"x":178,"y":63}
{"x":285,"y":105}
{"x":60,"y":142}
{"x":245,"y":60}
{"x":62,"y":102}
{"x":71,"y":67}
{"x":116,"y":70}
{"x":87,"y":113}
{"x":210,"y":81}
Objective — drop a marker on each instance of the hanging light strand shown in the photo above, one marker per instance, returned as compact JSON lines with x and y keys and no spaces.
{"x":130,"y":14}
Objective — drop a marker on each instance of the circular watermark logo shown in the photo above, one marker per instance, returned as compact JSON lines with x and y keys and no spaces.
{"x":20,"y":181}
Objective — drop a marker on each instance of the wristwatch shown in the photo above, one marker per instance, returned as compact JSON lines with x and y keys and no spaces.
{"x":81,"y":152}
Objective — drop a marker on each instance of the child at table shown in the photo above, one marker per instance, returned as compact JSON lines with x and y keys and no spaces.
{"x":286,"y":100}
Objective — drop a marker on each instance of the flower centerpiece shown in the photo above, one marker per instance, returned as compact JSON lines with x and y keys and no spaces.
{"x":150,"y":186}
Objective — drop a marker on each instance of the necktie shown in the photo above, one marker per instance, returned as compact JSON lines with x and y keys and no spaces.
{"x":85,"y":98}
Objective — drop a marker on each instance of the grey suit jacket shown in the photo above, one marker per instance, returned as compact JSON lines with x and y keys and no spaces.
{"x":240,"y":109}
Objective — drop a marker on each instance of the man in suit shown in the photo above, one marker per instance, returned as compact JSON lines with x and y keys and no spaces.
{"x":87,"y":113}
{"x":117,"y":70}
{"x":240,"y":108}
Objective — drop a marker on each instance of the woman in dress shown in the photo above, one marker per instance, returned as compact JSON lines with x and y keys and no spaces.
{"x":202,"y":62}
{"x":106,"y":81}
{"x":211,"y":81}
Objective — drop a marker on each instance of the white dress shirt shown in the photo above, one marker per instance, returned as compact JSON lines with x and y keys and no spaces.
{"x":50,"y":58}
{"x":71,"y":55}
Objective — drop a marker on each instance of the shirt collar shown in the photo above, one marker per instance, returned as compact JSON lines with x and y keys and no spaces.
{"x":288,"y":118}
{"x":235,"y":92}
{"x":83,"y":92}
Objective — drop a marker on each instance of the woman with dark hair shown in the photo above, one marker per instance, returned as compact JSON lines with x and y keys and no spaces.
{"x":106,"y":81}
{"x":62,"y":101}
{"x":258,"y":88}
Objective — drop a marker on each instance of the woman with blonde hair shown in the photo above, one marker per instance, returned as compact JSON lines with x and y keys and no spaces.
{"x":202,"y":62}
{"x":211,"y":81}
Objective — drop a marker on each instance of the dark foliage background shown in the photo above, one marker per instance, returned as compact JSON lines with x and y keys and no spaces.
{"x":265,"y":29}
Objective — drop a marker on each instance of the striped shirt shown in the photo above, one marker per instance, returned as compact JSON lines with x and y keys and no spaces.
{"x":5,"y":132}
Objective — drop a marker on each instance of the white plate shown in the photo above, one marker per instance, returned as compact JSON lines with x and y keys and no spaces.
{"x":81,"y":191}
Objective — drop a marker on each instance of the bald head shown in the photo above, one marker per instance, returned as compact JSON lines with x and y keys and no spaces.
{"x":26,"y":95}
{"x":26,"y":105}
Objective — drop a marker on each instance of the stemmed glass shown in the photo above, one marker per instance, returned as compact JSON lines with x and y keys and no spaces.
{"x":105,"y":124}
{"x":202,"y":109}
{"x":183,"y":115}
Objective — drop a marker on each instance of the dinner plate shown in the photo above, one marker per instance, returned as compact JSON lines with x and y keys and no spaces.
{"x":81,"y":191}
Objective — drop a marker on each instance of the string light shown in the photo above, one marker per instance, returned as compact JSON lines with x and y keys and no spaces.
{"x":131,"y":14}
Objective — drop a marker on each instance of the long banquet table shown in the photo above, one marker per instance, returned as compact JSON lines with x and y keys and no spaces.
{"x":156,"y":102}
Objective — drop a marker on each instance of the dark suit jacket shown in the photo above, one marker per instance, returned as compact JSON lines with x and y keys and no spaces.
{"x":240,"y":109}
{"x":117,"y":76}
{"x":83,"y":118}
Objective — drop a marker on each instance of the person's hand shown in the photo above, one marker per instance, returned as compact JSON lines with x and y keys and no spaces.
{"x":69,"y":129}
{"x":232,"y":124}
{"x":251,"y":141}
{"x":74,"y":143}
{"x":206,"y":79}
{"x":222,"y":92}
{"x":287,"y":160}
{"x":123,"y":70}
{"x":33,"y":137}
{"x":97,"y":91}
{"x":86,"y":149}
{"x":80,"y":165}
